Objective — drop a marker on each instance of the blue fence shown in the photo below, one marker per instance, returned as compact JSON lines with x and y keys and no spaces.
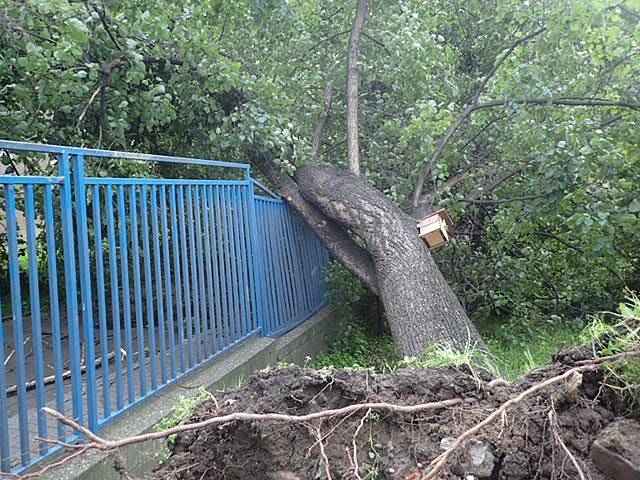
{"x":112,"y":288}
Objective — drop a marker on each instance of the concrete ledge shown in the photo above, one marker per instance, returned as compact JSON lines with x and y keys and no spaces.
{"x":228,"y":371}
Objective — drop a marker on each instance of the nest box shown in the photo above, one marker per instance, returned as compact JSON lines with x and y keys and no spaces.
{"x":433,"y":229}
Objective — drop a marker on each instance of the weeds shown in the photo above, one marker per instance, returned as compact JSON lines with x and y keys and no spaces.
{"x":182,"y":412}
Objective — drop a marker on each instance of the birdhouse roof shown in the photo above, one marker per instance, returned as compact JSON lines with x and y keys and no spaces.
{"x":442,"y":214}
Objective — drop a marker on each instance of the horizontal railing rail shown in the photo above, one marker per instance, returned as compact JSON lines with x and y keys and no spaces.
{"x":113,"y":288}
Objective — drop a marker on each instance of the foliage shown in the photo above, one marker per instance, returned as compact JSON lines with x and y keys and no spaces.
{"x":182,"y":412}
{"x":619,"y":332}
{"x":356,"y":347}
{"x":226,"y":79}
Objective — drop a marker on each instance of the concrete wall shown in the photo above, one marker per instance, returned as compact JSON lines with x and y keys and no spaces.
{"x":231,"y":370}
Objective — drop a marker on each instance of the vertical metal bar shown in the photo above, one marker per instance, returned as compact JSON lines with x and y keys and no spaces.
{"x":303,"y":254}
{"x":294,"y":257}
{"x":247,"y":260}
{"x":115,"y":297}
{"x":168,"y":286}
{"x":222,"y":257}
{"x":18,"y":327}
{"x":56,"y":335}
{"x":274,"y":267}
{"x":286,"y":267}
{"x":214,"y":230}
{"x":137,"y":289}
{"x":270,"y":295}
{"x":284,"y":287}
{"x":200,"y":264}
{"x":5,"y":450}
{"x":256,"y":264}
{"x":102,"y":309}
{"x":231,"y":257}
{"x":176,"y":262}
{"x":238,"y":257}
{"x":194,"y":275}
{"x":206,"y":210}
{"x":126,"y":295}
{"x":85,"y":290}
{"x":36,"y":321}
{"x":185,"y":274}
{"x":148,"y":284}
{"x":71,"y":286}
{"x":267,"y":304}
{"x":158,"y":279}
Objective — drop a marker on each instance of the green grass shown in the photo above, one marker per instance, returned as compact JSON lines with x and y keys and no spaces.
{"x":516,"y":353}
{"x":512,"y":353}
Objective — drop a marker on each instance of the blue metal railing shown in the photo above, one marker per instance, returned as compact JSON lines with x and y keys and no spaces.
{"x":119,"y":286}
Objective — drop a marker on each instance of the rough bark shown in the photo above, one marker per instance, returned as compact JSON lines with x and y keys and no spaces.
{"x":338,"y":240}
{"x":353,"y":80}
{"x":421,"y":307}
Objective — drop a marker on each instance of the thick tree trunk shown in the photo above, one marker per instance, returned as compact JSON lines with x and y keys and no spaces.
{"x":421,"y":308}
{"x":338,"y":240}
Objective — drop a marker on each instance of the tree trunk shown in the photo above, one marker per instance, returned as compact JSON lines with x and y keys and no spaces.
{"x":421,"y":308}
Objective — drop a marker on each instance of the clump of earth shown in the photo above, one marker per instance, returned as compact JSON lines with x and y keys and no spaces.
{"x":526,"y":443}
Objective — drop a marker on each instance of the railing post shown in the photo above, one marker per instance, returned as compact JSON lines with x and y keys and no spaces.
{"x":80,"y":191}
{"x":71,"y":288}
{"x":258,"y":263}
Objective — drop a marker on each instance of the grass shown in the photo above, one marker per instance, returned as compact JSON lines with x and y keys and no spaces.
{"x":517,"y":354}
{"x":511,"y":353}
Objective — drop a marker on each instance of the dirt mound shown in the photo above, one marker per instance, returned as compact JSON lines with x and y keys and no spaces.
{"x":389,"y":445}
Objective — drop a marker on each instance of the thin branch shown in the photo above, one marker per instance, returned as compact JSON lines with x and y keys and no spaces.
{"x":353,"y":79}
{"x":584,"y":366}
{"x":556,"y":434}
{"x":321,"y":125}
{"x":562,"y":101}
{"x":503,"y":200}
{"x":377,"y":42}
{"x":356,"y":468}
{"x":497,"y":64}
{"x":84,"y":111}
{"x":492,"y":185}
{"x":329,"y":38}
{"x":417,"y":192}
{"x":327,"y":467}
{"x":104,"y":444}
{"x":102,"y":14}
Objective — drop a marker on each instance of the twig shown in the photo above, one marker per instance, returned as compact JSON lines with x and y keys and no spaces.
{"x":587,"y":365}
{"x":84,"y":112}
{"x":104,"y":444}
{"x":323,"y":454}
{"x":356,"y":468}
{"x":556,"y":434}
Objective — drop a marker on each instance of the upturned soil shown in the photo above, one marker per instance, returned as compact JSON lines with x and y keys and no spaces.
{"x":393,"y":445}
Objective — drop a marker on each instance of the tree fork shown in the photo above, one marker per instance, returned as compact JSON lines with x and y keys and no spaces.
{"x":338,"y":240}
{"x":421,"y":308}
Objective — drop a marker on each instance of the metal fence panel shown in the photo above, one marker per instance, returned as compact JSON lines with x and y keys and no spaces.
{"x":117,"y":287}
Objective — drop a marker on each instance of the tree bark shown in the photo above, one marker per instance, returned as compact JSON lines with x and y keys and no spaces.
{"x":353,"y":80}
{"x":421,"y":308}
{"x":338,"y":240}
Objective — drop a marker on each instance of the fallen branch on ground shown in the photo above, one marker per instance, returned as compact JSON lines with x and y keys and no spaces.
{"x":97,"y":442}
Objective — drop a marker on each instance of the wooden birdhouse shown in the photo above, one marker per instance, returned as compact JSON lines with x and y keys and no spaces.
{"x":433,"y":229}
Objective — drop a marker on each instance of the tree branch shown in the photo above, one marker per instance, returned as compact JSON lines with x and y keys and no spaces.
{"x":417,"y":192}
{"x":320,"y":126}
{"x":338,"y":240}
{"x":504,"y":200}
{"x":353,"y":79}
{"x":562,"y":101}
